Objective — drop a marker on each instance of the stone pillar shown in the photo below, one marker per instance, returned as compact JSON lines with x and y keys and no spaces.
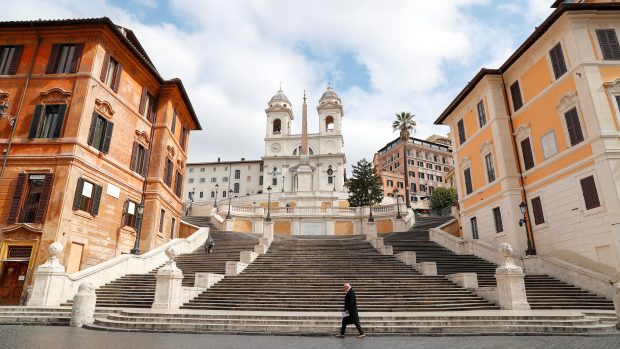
{"x":370,"y":229}
{"x":465,"y":280}
{"x":168,"y":288}
{"x":49,"y":280}
{"x":427,"y":268}
{"x":617,"y":299}
{"x":407,"y":257}
{"x":510,"y":283}
{"x":268,"y":231}
{"x":234,"y":268}
{"x":83,"y":312}
{"x":247,"y":257}
{"x":260,"y":249}
{"x":206,"y":280}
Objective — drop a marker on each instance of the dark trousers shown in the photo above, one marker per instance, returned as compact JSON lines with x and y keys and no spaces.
{"x":208,"y":249}
{"x":347,"y":320}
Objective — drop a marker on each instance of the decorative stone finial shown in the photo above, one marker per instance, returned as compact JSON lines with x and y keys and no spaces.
{"x":55,"y":249}
{"x":86,"y":288}
{"x":506,"y":250}
{"x":53,"y":263}
{"x":172,"y":252}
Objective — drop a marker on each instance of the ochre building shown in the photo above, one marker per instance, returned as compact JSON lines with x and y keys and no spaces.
{"x":543,"y":131}
{"x":89,"y":131}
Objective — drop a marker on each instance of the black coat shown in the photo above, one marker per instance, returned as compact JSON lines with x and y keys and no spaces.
{"x":350,"y":304}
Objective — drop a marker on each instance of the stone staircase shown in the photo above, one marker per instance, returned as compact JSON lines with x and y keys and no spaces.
{"x":199,"y":221}
{"x":138,"y":290}
{"x":543,"y":291}
{"x":307,"y":274}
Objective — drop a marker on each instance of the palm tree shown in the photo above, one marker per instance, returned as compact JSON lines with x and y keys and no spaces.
{"x":405,"y":124}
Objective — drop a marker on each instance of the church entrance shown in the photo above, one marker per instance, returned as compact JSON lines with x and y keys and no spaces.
{"x":13,"y":272}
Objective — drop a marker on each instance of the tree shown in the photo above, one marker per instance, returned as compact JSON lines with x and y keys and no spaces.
{"x":405,"y":124}
{"x":442,"y":198}
{"x":364,"y":178}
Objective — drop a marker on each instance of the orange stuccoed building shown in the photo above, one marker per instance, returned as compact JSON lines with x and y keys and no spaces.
{"x":91,"y":135}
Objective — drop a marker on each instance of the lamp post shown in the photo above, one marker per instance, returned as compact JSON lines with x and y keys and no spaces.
{"x":330,"y":173}
{"x":217,"y":187}
{"x":268,"y":218}
{"x":398,"y":216}
{"x":140,"y":213}
{"x":531,"y":250}
{"x":230,"y":192}
{"x":370,"y":217}
{"x":283,"y":183}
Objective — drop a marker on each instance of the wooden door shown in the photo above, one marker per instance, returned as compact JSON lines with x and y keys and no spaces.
{"x":75,"y":258}
{"x":12,"y":282}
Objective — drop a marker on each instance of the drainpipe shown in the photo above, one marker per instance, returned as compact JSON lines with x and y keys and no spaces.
{"x":21,"y":102}
{"x":531,"y":246}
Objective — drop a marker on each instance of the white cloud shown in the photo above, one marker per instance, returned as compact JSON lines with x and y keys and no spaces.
{"x":232,"y":55}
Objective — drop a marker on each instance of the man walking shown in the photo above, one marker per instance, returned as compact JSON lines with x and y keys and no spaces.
{"x":209,"y":245}
{"x":349,"y":315}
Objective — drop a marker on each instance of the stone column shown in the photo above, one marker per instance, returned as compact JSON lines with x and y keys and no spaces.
{"x":370,"y":229}
{"x":268,"y":231}
{"x":83,"y":312}
{"x":510,"y":283}
{"x":49,"y":280}
{"x":168,"y":288}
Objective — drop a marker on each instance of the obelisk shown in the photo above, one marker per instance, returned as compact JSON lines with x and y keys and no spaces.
{"x":304,"y":171}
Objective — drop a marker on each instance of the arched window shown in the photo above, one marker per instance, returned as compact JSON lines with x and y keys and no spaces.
{"x":212,"y":194}
{"x":298,"y":151}
{"x":329,"y":123}
{"x":277,"y":126}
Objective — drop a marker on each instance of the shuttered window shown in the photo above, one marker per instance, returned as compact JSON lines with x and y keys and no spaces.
{"x":526,"y":151}
{"x":47,"y":121}
{"x":111,"y":72}
{"x":148,"y":105}
{"x":573,"y":127}
{"x":130,"y":214}
{"x":497,"y":219}
{"x":488,"y":160}
{"x":173,"y":224}
{"x":183,"y":139}
{"x":178,"y":184}
{"x":608,"y":42}
{"x":539,"y":217}
{"x":590,"y":195}
{"x":557,"y":61}
{"x":168,"y":173}
{"x":461,"y":127}
{"x":474,"y":228}
{"x":173,"y":124}
{"x":64,"y":58}
{"x":9,"y":59}
{"x":515,"y":93}
{"x":162,"y":217}
{"x":468,"y":185}
{"x":482,"y":118}
{"x":30,"y":198}
{"x":139,"y":159}
{"x":100,"y":133}
{"x":87,"y":197}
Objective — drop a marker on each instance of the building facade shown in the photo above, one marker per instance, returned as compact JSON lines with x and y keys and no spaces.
{"x":89,"y":131}
{"x":544,"y":130}
{"x":428,"y":164}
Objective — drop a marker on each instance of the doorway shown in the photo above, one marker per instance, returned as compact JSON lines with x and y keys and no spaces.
{"x":13,"y":274}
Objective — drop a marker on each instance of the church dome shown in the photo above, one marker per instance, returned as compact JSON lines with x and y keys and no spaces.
{"x":279,"y":99}
{"x":330,"y":95}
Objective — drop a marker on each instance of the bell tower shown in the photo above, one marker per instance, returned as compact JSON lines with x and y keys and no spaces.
{"x":279,"y":116}
{"x":330,"y":113}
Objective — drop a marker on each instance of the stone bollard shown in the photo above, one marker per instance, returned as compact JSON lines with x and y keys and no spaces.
{"x":168,"y":288}
{"x":49,"y":280}
{"x":235,"y":268}
{"x":260,"y":249}
{"x":265,"y":241}
{"x":268,"y":231}
{"x":510,"y":283}
{"x":427,"y":268}
{"x":465,"y":280}
{"x":247,"y":257}
{"x":407,"y":257}
{"x":83,"y":311}
{"x":370,"y":229}
{"x":387,"y":250}
{"x":206,"y":280}
{"x":617,"y":300}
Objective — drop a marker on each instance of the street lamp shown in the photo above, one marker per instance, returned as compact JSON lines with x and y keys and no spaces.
{"x":217,"y":187}
{"x":398,"y":216}
{"x":370,"y":217}
{"x":531,"y":250}
{"x":330,"y":172}
{"x":230,"y":192}
{"x":268,"y":219}
{"x":139,"y":214}
{"x":283,"y":183}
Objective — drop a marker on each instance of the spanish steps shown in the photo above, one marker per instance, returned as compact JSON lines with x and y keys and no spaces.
{"x":543,"y":291}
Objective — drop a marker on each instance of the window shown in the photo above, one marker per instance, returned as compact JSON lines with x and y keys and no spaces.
{"x":237,"y":174}
{"x":274,"y":181}
{"x":430,"y":166}
{"x":202,"y":169}
{"x":573,"y":126}
{"x":111,"y":72}
{"x":497,"y":219}
{"x":446,"y":169}
{"x":468,"y":185}
{"x":9,"y":59}
{"x":413,"y":187}
{"x":411,"y":174}
{"x":515,"y":93}
{"x":435,"y":158}
{"x":420,"y":164}
{"x":172,"y":226}
{"x":482,"y":119}
{"x":397,"y":165}
{"x":201,"y":195}
{"x":139,"y":159}
{"x":329,"y":123}
{"x":260,"y":180}
{"x":214,"y":179}
{"x":47,"y":121}
{"x":277,"y":126}
{"x":557,"y":61}
{"x":223,"y":193}
{"x":437,"y":167}
{"x":608,"y":42}
{"x":129,"y":214}
{"x":422,"y":187}
{"x":431,"y":177}
{"x":461,"y":126}
{"x":87,"y":197}
{"x":100,"y":133}
{"x":32,"y":208}
{"x":390,"y":183}
{"x":488,"y":160}
{"x":183,"y":139}
{"x":178,"y":184}
{"x":212,"y":194}
{"x":162,"y":217}
{"x":236,"y":188}
{"x":64,"y":58}
{"x":400,"y":185}
{"x":191,"y":169}
{"x":168,"y":168}
{"x":148,"y":105}
{"x":539,"y":217}
{"x":590,"y":195}
{"x":330,"y":179}
{"x":430,"y":189}
{"x":439,"y":179}
{"x":526,"y":151}
{"x":202,"y":180}
{"x":191,"y":180}
{"x":421,"y":175}
{"x":224,"y":179}
{"x":474,"y":228}
{"x":173,"y":127}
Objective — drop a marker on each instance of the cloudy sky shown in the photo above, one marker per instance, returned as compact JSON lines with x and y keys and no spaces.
{"x":382,"y":57}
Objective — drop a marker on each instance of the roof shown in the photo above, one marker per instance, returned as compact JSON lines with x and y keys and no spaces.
{"x":561,"y":8}
{"x":224,"y":162}
{"x":125,"y":36}
{"x":397,"y":140}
